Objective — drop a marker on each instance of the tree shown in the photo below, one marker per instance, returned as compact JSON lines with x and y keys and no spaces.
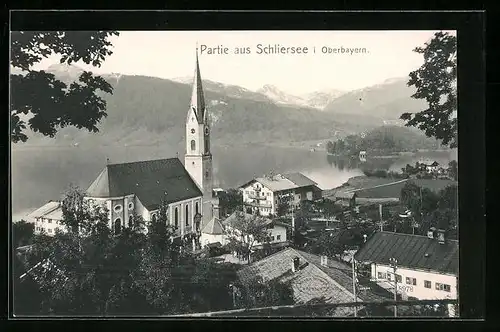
{"x":258,"y":293}
{"x":22,"y":233}
{"x":230,"y":201}
{"x":453,"y":169}
{"x":435,"y":82}
{"x":246,"y":230}
{"x":46,"y":103}
{"x":329,"y":244}
{"x":330,"y":148}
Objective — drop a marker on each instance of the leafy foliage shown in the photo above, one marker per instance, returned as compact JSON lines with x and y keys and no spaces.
{"x":22,"y":233}
{"x":384,"y":139}
{"x":435,"y":81}
{"x":430,"y":209}
{"x":230,"y":201}
{"x":92,"y":270}
{"x":246,"y":230}
{"x":258,"y":293}
{"x":47,"y":102}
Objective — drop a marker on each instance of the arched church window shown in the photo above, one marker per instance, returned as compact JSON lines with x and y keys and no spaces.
{"x":130,"y":221}
{"x":187,"y":215}
{"x":193,"y":145}
{"x":176,"y":218}
{"x":118,"y":226}
{"x":118,"y":208}
{"x":153,"y":217}
{"x":196,"y":208}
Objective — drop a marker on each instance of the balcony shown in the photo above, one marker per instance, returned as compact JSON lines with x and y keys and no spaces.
{"x":263,"y":204}
{"x":254,"y":196}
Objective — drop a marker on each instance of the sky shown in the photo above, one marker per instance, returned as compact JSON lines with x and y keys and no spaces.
{"x":381,"y":55}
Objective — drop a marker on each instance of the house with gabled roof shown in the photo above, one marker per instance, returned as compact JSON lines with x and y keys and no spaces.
{"x":423,"y":267}
{"x":265,"y":194}
{"x":311,"y":277}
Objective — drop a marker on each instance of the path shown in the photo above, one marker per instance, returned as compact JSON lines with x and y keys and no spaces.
{"x":378,"y":186}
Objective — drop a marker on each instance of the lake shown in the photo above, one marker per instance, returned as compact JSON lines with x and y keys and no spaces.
{"x":42,"y":174}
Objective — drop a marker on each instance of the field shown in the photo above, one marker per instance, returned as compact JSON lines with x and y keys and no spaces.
{"x":379,"y":188}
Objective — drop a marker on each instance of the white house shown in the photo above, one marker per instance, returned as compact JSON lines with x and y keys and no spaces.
{"x":234,"y":225}
{"x":426,"y":267}
{"x":265,"y":194}
{"x":222,"y":231}
{"x":47,"y":218}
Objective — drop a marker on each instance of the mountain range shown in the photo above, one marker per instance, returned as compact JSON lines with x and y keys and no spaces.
{"x":148,"y":110}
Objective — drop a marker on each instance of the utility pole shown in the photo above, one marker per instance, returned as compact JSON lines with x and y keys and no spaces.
{"x":381,"y":221}
{"x":354,"y":286}
{"x":394,"y":264}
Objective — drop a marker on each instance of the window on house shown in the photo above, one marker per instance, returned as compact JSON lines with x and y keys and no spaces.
{"x":193,"y":145}
{"x":399,"y":278}
{"x":411,"y":281}
{"x":278,"y":237}
{"x":130,"y":221}
{"x":130,"y":206}
{"x":446,"y":288}
{"x":381,"y":275}
{"x":118,"y":226}
{"x":427,"y":284}
{"x":389,"y":276}
{"x":187,"y":215}
{"x":272,"y":238}
{"x":49,"y":221}
{"x":153,"y":217}
{"x":176,"y":218}
{"x":49,"y":230}
{"x":196,"y":208}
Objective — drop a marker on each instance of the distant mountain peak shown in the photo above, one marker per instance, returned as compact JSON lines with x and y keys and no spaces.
{"x":64,"y":67}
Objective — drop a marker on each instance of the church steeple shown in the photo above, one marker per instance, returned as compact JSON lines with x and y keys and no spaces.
{"x":197,"y":97}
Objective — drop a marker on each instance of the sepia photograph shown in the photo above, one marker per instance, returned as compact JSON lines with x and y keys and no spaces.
{"x":234,"y":173}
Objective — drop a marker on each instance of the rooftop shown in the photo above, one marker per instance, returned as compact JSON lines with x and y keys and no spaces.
{"x":51,"y":210}
{"x":312,"y":281}
{"x":411,"y":251}
{"x":213,"y":227}
{"x":151,"y":181}
{"x":282,"y":182}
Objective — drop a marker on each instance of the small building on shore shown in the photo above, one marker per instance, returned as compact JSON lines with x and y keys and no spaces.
{"x":346,"y":198}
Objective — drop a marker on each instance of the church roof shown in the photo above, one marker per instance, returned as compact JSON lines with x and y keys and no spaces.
{"x":197,"y":97}
{"x":151,"y":181}
{"x":213,"y":227}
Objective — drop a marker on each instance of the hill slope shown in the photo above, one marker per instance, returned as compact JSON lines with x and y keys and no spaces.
{"x":387,"y":100}
{"x":147,"y":110}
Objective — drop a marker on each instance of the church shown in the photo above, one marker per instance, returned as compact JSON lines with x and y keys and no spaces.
{"x":140,"y":188}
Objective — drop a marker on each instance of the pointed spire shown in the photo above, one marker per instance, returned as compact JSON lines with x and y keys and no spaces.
{"x":197,"y":97}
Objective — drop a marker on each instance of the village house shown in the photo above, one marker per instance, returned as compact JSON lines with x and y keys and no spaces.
{"x":311,"y":277}
{"x":347,"y":199}
{"x":47,"y":219}
{"x":265,"y":194}
{"x":217,"y":231}
{"x":426,"y":267}
{"x":139,"y":188}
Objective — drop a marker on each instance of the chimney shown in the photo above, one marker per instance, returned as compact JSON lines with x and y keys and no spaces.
{"x":295,"y":264}
{"x":441,"y":236}
{"x":324,"y":260}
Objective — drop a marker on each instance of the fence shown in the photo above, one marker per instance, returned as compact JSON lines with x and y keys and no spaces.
{"x":417,"y":308}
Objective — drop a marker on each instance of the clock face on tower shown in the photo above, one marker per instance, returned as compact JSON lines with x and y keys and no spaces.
{"x":192,"y":131}
{"x":206,"y":130}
